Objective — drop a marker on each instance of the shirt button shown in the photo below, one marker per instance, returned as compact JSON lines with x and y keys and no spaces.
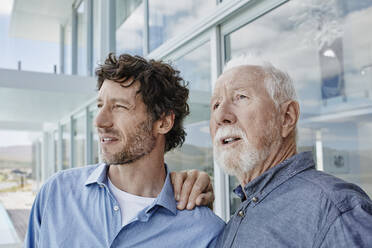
{"x":241,"y":213}
{"x":255,"y":199}
{"x":116,"y":208}
{"x":101,"y":185}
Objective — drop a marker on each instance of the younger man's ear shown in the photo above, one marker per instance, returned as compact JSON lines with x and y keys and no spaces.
{"x":290,"y":111}
{"x":165,"y":123}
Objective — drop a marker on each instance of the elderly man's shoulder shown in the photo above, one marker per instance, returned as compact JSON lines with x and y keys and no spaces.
{"x":340,"y":194}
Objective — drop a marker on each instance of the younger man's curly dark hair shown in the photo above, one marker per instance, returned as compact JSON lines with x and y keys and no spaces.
{"x":162,"y":89}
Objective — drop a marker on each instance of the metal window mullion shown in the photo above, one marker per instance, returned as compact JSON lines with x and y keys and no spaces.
{"x":227,"y":197}
{"x":89,"y":16}
{"x":256,"y":10}
{"x":52,"y":154}
{"x":319,"y":150}
{"x":44,"y":156}
{"x":72,"y":153}
{"x":225,"y":189}
{"x":146,"y":45}
{"x":62,"y":49}
{"x":60,"y":147}
{"x":112,"y":26}
{"x":103,"y":30}
{"x":88,"y":137}
{"x":74,"y":41}
{"x":38,"y":164}
{"x":219,"y":176}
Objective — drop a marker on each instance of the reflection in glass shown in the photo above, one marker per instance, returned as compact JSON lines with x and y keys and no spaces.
{"x":79,"y":142}
{"x":66,"y":146}
{"x":326,"y":47}
{"x":129,"y":26}
{"x":170,"y":18}
{"x":196,"y":152}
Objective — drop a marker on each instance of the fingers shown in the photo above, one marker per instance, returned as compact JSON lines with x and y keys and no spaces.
{"x":201,"y":185}
{"x":186,"y":189}
{"x":206,"y":199}
{"x":177,"y":180}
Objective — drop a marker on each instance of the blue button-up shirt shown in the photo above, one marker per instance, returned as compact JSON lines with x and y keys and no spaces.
{"x":76,"y":209}
{"x":294,"y":205}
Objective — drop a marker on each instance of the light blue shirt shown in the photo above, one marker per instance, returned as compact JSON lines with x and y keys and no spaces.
{"x":75,"y":208}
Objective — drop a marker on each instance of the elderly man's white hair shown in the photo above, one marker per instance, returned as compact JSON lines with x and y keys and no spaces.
{"x":278,"y":83}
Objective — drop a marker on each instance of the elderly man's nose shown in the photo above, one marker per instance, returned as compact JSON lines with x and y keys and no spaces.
{"x":225,"y":115}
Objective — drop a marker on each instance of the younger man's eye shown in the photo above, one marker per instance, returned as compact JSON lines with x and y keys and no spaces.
{"x":121,"y":106}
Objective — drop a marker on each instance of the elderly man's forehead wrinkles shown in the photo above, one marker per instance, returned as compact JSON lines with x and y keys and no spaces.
{"x":252,"y":73}
{"x":237,"y":79}
{"x":220,"y":88}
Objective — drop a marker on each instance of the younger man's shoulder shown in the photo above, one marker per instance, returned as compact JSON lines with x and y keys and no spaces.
{"x":203,"y":215}
{"x":79,"y":172}
{"x":73,"y":176}
{"x":205,"y":225}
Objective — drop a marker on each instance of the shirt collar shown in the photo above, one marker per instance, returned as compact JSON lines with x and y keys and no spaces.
{"x":99,"y":175}
{"x":272,"y":178}
{"x":166,"y":196}
{"x":164,"y":199}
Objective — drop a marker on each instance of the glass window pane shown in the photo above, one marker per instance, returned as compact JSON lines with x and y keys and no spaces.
{"x":170,"y":18}
{"x":79,"y":141}
{"x":82,"y":40}
{"x":67,"y":50}
{"x":327,"y":49}
{"x":66,"y":146}
{"x":96,"y":33}
{"x":129,"y":26}
{"x":94,"y":137}
{"x":196,"y":152}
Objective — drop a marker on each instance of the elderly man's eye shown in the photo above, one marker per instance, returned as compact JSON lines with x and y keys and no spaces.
{"x":216,"y":105}
{"x":99,"y":105}
{"x":241,"y":96}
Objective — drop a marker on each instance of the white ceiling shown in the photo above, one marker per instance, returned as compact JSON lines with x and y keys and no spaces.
{"x":39,"y":19}
{"x":30,"y":99}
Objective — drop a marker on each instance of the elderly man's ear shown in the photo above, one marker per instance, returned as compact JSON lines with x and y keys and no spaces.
{"x":290,"y":112}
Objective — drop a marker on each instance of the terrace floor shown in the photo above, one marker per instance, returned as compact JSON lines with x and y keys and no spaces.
{"x":15,"y":209}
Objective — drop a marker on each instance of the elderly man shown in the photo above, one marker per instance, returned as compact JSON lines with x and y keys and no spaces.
{"x":128,"y":201}
{"x":286,"y":202}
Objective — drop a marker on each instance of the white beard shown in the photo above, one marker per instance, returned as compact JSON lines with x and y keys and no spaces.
{"x":241,"y":158}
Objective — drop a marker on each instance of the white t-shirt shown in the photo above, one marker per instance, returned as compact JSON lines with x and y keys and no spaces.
{"x":130,"y":205}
